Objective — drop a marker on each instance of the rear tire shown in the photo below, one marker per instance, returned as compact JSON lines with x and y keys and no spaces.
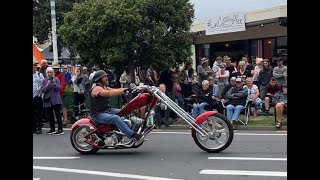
{"x":225,"y":124}
{"x":77,"y":137}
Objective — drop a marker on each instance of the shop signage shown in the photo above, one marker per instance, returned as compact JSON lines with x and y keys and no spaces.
{"x":226,"y":23}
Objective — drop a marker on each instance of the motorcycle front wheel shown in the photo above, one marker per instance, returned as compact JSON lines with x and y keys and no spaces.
{"x":77,"y":139}
{"x":220,"y":134}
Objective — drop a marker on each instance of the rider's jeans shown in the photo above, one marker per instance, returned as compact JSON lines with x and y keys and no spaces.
{"x":112,"y":118}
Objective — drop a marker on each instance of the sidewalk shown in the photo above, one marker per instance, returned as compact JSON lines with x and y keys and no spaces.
{"x":180,"y":124}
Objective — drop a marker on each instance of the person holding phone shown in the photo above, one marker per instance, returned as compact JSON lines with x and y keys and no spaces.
{"x":50,"y":86}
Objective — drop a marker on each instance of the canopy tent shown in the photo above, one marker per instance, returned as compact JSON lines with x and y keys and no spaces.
{"x":37,"y":55}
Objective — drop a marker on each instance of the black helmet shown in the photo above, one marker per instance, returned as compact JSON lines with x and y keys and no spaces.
{"x":98,"y":75}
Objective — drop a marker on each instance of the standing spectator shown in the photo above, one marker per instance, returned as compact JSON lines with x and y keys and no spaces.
{"x":264,"y":77}
{"x":216,"y":66}
{"x":37,"y":100}
{"x":236,"y":99}
{"x":203,"y":71}
{"x":243,"y":73}
{"x":279,"y":100}
{"x":78,"y":91}
{"x":111,"y":77}
{"x":177,"y":89}
{"x":280,"y":72}
{"x":66,"y":74}
{"x":94,"y":70}
{"x":258,"y":67}
{"x":62,"y":81}
{"x":271,"y":88}
{"x":215,"y":104}
{"x":248,"y":67}
{"x":125,"y":81}
{"x":43,"y":68}
{"x":50,"y":86}
{"x":253,"y":95}
{"x":229,"y":66}
{"x":166,"y":78}
{"x":161,"y":109}
{"x":222,"y":77}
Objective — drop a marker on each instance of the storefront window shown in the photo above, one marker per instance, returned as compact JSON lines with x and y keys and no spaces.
{"x":268,"y":50}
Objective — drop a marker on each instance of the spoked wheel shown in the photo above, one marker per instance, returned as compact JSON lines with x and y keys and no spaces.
{"x":77,"y":138}
{"x":220,"y":134}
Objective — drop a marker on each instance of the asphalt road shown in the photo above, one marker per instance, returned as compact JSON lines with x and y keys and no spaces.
{"x":253,"y":155}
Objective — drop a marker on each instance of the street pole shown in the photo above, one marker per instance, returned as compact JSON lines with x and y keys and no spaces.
{"x":53,"y":27}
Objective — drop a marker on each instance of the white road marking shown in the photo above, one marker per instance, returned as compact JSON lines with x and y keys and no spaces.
{"x":101,"y":173}
{"x":56,"y":157}
{"x":248,"y":158}
{"x":244,"y":173}
{"x":188,"y":132}
{"x":36,"y":178}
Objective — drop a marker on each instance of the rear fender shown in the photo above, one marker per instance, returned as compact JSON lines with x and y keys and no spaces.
{"x":202,"y":118}
{"x":84,"y":121}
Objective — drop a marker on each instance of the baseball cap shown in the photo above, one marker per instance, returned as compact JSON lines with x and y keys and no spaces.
{"x":238,"y":80}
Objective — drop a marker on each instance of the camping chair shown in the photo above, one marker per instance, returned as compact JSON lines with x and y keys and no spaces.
{"x":245,"y":110}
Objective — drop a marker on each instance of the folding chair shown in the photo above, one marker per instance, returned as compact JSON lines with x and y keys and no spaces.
{"x":245,"y":109}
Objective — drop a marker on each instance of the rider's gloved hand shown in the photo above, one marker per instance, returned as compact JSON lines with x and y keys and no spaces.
{"x":127,"y":90}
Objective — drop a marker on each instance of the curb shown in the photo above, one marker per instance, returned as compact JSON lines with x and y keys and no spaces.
{"x":180,"y":126}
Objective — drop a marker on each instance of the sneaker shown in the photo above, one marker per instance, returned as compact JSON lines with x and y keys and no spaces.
{"x":59,"y":132}
{"x":39,"y":131}
{"x":50,"y":132}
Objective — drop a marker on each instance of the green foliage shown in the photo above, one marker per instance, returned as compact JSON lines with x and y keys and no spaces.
{"x":129,"y":32}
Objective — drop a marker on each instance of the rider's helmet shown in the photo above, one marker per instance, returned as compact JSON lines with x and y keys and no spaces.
{"x":98,"y":75}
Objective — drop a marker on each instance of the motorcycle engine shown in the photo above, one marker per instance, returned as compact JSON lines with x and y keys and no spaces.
{"x":136,"y":120}
{"x":110,"y":140}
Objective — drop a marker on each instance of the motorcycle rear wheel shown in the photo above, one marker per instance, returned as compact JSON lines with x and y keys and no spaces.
{"x":77,"y":140}
{"x":218,"y":128}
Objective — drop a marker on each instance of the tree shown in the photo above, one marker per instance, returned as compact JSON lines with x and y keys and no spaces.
{"x":130,"y":32}
{"x":42,"y":18}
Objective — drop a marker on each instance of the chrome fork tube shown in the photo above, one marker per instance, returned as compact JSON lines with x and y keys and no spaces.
{"x":179,"y":111}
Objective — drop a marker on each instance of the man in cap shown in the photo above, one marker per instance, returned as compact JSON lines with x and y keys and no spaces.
{"x":236,"y":100}
{"x":203,"y":71}
{"x":66,"y":74}
{"x":100,"y":109}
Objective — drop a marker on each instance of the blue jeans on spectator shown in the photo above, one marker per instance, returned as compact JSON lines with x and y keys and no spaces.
{"x":196,"y":110}
{"x":112,"y":118}
{"x":233,"y":112}
{"x":180,"y":101}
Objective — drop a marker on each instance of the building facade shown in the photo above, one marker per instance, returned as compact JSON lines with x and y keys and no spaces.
{"x":265,"y":36}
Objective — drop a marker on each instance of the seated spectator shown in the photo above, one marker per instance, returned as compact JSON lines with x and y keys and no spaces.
{"x":236,"y":99}
{"x":215,"y":103}
{"x":228,"y":87}
{"x":279,"y":100}
{"x":271,"y":88}
{"x":161,"y":110}
{"x":203,"y":98}
{"x":253,"y":95}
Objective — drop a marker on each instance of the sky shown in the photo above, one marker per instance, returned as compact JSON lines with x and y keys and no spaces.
{"x":208,"y":8}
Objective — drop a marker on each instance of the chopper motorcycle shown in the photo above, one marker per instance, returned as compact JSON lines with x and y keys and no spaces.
{"x":211,"y":131}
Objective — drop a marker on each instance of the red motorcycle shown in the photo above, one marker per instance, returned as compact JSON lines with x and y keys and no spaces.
{"x":211,"y":131}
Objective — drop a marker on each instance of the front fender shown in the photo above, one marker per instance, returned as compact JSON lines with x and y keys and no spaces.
{"x":202,"y":118}
{"x":82,"y":121}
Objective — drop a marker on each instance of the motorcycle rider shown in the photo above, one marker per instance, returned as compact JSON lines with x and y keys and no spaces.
{"x":100,"y":109}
